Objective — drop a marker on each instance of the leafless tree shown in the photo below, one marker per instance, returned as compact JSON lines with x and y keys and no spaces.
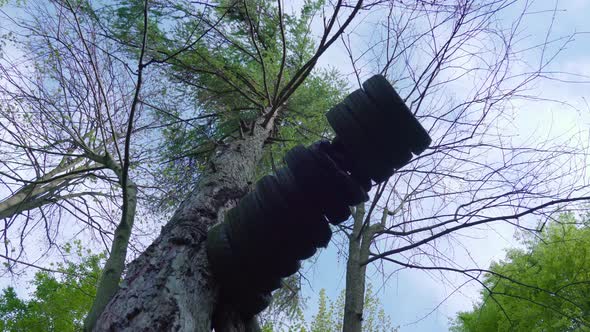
{"x":70,"y":107}
{"x":464,"y":68}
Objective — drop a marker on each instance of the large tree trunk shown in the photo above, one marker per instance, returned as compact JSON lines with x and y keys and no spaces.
{"x":170,"y":286}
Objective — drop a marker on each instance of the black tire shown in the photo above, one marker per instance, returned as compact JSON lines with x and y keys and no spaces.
{"x":393,"y":149}
{"x":353,"y":138}
{"x":247,"y":281}
{"x":334,"y":203}
{"x":270,"y":257}
{"x":278,"y":241}
{"x":219,"y":252}
{"x":270,"y":196}
{"x":251,"y":305}
{"x":318,"y":233}
{"x":285,"y":268}
{"x":242,"y":232}
{"x":290,"y":223}
{"x":239,"y":233}
{"x":401,"y":159}
{"x":337,"y":214}
{"x":266,"y":283}
{"x":261,"y":241}
{"x":342,"y":187}
{"x":368,"y":115}
{"x":385,"y":96}
{"x":322,"y":234}
{"x":376,"y":127}
{"x":251,"y":211}
{"x":340,"y":155}
{"x":272,"y":271}
{"x":307,"y":173}
{"x":295,"y":198}
{"x":291,"y":192}
{"x":248,"y":261}
{"x":305,"y":252}
{"x":348,"y":132}
{"x":296,"y":243}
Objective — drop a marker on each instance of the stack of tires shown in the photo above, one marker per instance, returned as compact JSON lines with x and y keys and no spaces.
{"x":286,"y":218}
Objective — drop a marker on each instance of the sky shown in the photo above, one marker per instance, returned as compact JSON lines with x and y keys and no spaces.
{"x":414,"y":300}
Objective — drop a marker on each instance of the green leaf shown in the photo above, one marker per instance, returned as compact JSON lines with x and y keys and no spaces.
{"x":545,"y":287}
{"x":59,"y":302}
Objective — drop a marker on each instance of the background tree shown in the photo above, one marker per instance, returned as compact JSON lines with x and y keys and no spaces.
{"x":61,"y":298}
{"x":330,"y":313}
{"x":464,"y":68}
{"x":543,"y":287}
{"x":70,"y":107}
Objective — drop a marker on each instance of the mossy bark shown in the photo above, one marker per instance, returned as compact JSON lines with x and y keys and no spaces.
{"x":170,"y":287}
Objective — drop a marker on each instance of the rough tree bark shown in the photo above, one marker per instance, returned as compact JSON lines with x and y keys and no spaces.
{"x":169,"y":287}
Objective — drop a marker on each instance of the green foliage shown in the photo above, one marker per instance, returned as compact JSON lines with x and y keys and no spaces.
{"x":287,"y":302}
{"x":375,"y":319}
{"x":304,"y":120}
{"x":326,"y":319}
{"x":543,"y":288}
{"x":220,"y":66}
{"x":330,"y":315}
{"x":60,"y":300}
